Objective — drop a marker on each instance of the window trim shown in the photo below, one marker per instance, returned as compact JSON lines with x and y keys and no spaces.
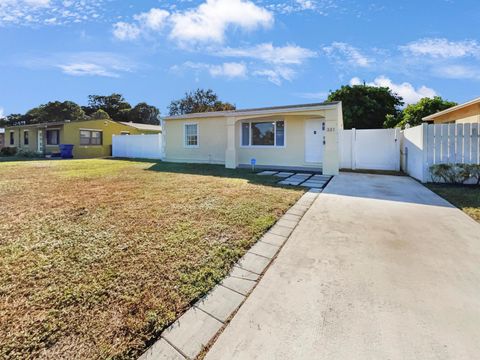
{"x":274,"y":146}
{"x":46,"y":136}
{"x":28,"y":137}
{"x":90,"y":138}
{"x":12,"y":137}
{"x":185,"y":145}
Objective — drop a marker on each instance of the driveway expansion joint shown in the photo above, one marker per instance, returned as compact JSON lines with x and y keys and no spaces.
{"x":188,"y":343}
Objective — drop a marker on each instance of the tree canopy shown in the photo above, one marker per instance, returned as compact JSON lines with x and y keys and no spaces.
{"x":199,"y":100}
{"x":413,"y":114}
{"x":114,"y":105}
{"x":55,"y":111}
{"x":367,"y":107}
{"x":99,"y":107}
{"x":144,"y":113}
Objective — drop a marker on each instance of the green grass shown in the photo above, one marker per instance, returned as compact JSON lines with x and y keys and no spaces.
{"x":466,"y":198}
{"x":97,"y":257}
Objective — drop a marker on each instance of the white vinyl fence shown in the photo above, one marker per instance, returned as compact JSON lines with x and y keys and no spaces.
{"x":426,"y":145}
{"x":376,"y":149}
{"x":138,"y":146}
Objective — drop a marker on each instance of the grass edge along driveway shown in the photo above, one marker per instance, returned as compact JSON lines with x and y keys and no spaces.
{"x":97,"y":257}
{"x":465,"y":197}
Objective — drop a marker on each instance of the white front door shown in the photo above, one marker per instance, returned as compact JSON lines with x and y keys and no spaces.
{"x":314,"y":140}
{"x":40,"y":141}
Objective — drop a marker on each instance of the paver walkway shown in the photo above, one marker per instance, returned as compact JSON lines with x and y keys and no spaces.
{"x":314,"y":181}
{"x":378,"y":268}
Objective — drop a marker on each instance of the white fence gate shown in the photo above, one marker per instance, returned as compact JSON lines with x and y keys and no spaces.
{"x":138,"y":146}
{"x":376,"y":149}
{"x":426,"y":145}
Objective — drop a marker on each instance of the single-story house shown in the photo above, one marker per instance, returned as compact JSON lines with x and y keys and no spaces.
{"x":468,"y":112}
{"x":91,"y":138}
{"x":2,"y":137}
{"x":297,"y":137}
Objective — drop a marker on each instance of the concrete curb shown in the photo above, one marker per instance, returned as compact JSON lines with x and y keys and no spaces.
{"x":187,"y":337}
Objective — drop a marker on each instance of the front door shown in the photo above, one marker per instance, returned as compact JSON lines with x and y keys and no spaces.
{"x":314,"y":140}
{"x":40,"y":141}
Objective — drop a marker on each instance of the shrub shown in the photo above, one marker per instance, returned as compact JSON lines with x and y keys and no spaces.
{"x":454,"y":173}
{"x":8,"y":151}
{"x":475,"y":172}
{"x":25,"y":153}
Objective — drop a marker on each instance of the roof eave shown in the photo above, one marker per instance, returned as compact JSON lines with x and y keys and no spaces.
{"x":239,"y":113}
{"x":453,"y":108}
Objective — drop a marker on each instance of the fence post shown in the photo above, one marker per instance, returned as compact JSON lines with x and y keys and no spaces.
{"x":424,"y":153}
{"x":353,"y":149}
{"x":398,"y":151}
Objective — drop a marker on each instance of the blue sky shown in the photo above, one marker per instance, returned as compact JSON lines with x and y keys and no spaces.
{"x":252,"y":53}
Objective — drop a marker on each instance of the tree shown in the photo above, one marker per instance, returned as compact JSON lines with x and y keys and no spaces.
{"x":144,"y":113}
{"x":100,"y":115}
{"x":366,"y":107}
{"x":55,"y":111}
{"x":114,"y":105}
{"x":198,"y":101}
{"x":414,"y":113}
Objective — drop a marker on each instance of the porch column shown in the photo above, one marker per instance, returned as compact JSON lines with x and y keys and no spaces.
{"x":331,"y":158}
{"x":231,"y":151}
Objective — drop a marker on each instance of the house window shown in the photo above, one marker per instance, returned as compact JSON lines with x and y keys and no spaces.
{"x":12,"y":138}
{"x":25,"y":137}
{"x":53,"y":137}
{"x":191,"y":135}
{"x":90,"y":137}
{"x":268,"y":134}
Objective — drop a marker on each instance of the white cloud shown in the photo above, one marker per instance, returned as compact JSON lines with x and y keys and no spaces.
{"x":2,"y":113}
{"x":210,"y":20}
{"x":280,"y":60}
{"x":321,"y":7}
{"x":48,"y":12}
{"x":442,"y":48}
{"x":103,"y":64}
{"x":277,"y":75}
{"x":285,"y":55}
{"x":154,"y":19}
{"x":86,"y":69}
{"x":126,"y":31}
{"x":344,"y":53}
{"x":407,"y":91}
{"x":229,"y":70}
{"x":306,"y":4}
{"x":458,"y":72}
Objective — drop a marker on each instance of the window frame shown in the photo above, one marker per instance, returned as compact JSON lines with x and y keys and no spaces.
{"x":46,"y":137}
{"x":274,"y":146}
{"x":90,"y":137}
{"x":11,"y":140}
{"x":185,"y":144}
{"x":26,"y":132}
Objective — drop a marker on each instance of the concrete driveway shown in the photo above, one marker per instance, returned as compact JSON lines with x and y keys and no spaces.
{"x":378,"y":268}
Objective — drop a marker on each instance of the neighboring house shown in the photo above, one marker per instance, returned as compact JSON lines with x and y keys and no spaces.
{"x":468,"y":112}
{"x":2,"y":137}
{"x":290,"y":137}
{"x":91,"y":138}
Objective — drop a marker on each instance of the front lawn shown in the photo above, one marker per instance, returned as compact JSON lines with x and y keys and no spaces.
{"x":98,"y":256}
{"x":466,"y":198}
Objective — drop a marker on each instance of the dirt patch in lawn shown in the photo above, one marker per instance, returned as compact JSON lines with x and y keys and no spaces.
{"x":465,"y":197}
{"x":97,"y":257}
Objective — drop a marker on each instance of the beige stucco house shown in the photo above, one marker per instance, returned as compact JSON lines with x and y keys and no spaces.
{"x":295,"y":137}
{"x":468,"y":112}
